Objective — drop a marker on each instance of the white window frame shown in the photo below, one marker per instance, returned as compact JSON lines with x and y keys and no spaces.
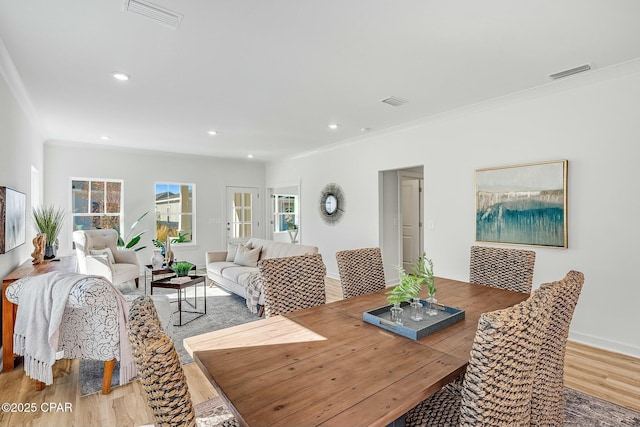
{"x":89,"y":213}
{"x":180,"y":213}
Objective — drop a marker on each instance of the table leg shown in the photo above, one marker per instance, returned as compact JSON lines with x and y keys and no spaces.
{"x":8,"y":320}
{"x":179,"y":307}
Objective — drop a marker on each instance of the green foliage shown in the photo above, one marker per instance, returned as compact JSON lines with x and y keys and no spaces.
{"x":411,"y":284}
{"x":130,"y":241}
{"x":408,"y":288}
{"x":182,"y":237}
{"x":182,"y":268}
{"x":48,"y":220}
{"x":423,"y":268}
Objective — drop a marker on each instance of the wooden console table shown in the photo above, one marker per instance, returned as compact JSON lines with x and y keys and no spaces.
{"x":27,"y":269}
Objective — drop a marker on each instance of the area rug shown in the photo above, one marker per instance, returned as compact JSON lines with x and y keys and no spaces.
{"x":587,"y":411}
{"x":223,"y":310}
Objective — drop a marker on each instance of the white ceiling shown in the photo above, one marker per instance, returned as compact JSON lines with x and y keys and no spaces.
{"x":270,"y":76}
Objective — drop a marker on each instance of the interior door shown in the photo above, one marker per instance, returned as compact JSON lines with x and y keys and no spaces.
{"x":242,"y":212}
{"x":411,"y":230}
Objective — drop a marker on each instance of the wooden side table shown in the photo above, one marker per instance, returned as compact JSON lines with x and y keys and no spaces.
{"x":65,"y":264}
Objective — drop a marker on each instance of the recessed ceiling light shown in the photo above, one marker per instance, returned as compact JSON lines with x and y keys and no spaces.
{"x":250,"y":156}
{"x":120,"y":76}
{"x":212,"y":132}
{"x":333,"y":126}
{"x":104,"y":138}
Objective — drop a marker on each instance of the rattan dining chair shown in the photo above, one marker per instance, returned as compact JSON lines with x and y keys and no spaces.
{"x":502,"y":268}
{"x":497,"y":386}
{"x":292,"y":283}
{"x":160,"y":370}
{"x":547,"y":404}
{"x":361,"y":271}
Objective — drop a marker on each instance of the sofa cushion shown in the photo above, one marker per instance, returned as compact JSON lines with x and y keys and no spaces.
{"x":218,"y":267}
{"x":232,"y":250}
{"x":238,"y":274}
{"x":105,"y":251}
{"x":247,"y":257}
{"x":272,"y":249}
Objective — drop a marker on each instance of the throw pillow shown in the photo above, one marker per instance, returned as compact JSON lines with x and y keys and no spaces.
{"x":247,"y":257}
{"x":232,"y":249}
{"x":105,"y":251}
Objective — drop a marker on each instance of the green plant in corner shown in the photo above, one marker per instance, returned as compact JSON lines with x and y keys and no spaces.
{"x":129,"y":241}
{"x":182,"y":268}
{"x":48,"y":220}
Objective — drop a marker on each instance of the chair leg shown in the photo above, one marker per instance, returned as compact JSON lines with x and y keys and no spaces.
{"x":39,"y":385}
{"x":137,"y":279}
{"x":106,"y":377}
{"x":261,"y":312}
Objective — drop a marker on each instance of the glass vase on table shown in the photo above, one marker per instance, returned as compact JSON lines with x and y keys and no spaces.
{"x":396,"y":313}
{"x":416,"y":310}
{"x":431,"y":301}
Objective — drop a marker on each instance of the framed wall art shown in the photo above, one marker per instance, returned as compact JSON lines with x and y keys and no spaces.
{"x":522,"y":204}
{"x":13,"y":229}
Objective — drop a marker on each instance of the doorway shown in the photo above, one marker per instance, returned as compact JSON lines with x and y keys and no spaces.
{"x":401,"y":218}
{"x":243,"y":213}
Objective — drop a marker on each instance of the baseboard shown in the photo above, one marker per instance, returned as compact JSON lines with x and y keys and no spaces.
{"x":605,"y":344}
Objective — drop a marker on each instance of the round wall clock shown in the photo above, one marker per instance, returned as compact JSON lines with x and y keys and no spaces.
{"x":332,"y":203}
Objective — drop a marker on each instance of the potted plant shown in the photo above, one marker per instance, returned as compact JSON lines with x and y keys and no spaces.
{"x":129,"y":241}
{"x":48,"y":220}
{"x":182,"y":268}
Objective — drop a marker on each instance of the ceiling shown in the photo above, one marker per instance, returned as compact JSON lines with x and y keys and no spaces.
{"x":270,"y":76}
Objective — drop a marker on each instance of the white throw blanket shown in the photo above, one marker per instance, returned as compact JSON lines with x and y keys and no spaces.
{"x":254,"y":288}
{"x":37,"y":328}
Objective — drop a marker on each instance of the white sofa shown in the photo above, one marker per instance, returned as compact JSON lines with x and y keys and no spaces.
{"x":233,"y":271}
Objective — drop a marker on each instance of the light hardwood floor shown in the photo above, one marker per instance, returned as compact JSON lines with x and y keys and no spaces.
{"x":607,"y":375}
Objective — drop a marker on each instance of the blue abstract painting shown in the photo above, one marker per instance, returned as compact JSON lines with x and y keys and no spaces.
{"x":523,"y":204}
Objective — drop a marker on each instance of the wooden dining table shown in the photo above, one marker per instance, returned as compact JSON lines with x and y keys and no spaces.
{"x":326,"y":366}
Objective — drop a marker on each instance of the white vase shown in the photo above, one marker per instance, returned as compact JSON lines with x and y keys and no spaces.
{"x":157,"y":259}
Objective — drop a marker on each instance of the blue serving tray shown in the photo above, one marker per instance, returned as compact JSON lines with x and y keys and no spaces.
{"x":445,"y":316}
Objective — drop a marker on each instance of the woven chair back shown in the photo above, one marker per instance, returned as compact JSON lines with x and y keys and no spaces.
{"x":497,"y":386}
{"x":547,"y":404}
{"x":292,"y":283}
{"x":361,"y":271}
{"x":159,"y":368}
{"x":502,"y":268}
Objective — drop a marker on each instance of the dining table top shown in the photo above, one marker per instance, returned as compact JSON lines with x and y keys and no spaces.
{"x":326,"y":366}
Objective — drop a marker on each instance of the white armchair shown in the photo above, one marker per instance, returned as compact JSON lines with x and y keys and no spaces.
{"x":98,"y":254}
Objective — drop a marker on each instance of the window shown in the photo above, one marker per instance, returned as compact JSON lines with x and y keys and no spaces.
{"x":96,"y":203}
{"x":174,"y":212}
{"x":285,"y":212}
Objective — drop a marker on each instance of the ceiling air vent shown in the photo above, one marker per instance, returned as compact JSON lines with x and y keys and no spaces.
{"x":153,"y":11}
{"x":394,"y":102}
{"x":569,"y":72}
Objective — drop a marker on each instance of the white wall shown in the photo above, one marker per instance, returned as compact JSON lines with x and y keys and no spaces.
{"x":140,"y":170}
{"x":21,"y":147}
{"x":591,"y":120}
